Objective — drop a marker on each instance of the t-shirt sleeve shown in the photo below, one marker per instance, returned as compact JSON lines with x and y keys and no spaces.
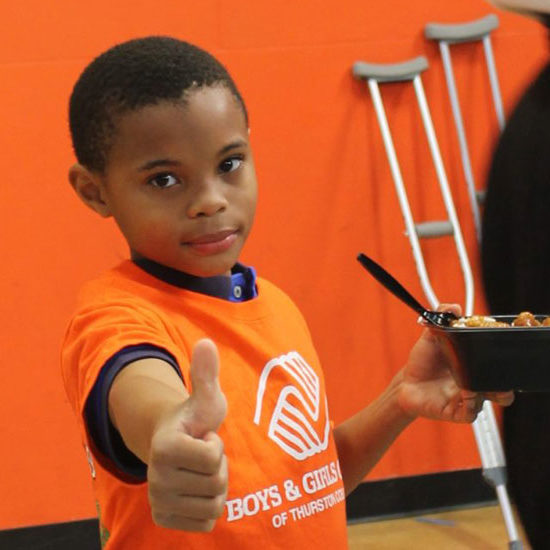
{"x":108,"y":337}
{"x":106,"y":439}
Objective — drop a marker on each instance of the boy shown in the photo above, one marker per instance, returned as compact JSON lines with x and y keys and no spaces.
{"x":182,"y":443}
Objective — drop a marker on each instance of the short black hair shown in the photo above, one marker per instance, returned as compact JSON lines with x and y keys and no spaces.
{"x":129,"y":76}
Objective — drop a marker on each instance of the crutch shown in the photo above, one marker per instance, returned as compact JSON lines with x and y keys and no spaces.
{"x":446,"y":35}
{"x":494,"y":471}
{"x":485,"y":427}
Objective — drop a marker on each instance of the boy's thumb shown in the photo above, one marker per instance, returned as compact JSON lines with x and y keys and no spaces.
{"x":206,"y":407}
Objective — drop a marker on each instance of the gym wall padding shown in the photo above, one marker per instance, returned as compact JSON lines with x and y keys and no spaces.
{"x":325,"y":194}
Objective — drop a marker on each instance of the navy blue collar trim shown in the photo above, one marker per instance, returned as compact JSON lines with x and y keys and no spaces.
{"x":240,"y":286}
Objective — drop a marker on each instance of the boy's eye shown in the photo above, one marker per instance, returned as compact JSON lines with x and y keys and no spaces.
{"x":230,"y":164}
{"x":163,"y":181}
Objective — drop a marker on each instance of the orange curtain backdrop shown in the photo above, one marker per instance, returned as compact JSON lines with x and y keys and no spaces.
{"x":326,"y":194}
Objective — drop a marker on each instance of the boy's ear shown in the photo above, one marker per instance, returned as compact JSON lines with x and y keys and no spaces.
{"x":89,"y":188}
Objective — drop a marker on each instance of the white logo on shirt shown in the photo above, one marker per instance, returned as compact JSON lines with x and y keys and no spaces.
{"x":292,"y":427}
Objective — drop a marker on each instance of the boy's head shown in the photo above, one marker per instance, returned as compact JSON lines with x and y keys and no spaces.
{"x":161,"y":137}
{"x":131,"y":75}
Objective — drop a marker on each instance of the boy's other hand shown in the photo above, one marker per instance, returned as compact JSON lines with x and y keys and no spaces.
{"x":428,"y":388}
{"x":187,"y":470}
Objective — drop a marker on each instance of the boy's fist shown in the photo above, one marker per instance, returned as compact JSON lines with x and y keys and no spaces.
{"x":187,"y":471}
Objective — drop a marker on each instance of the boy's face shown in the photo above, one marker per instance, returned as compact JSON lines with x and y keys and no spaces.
{"x":180,"y":181}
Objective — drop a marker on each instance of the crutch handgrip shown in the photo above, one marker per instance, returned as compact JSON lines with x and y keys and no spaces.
{"x":391,"y":72}
{"x":428,"y":230}
{"x":462,"y":32}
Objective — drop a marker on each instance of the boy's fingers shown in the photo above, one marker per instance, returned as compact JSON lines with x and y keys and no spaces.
{"x":454,"y":308}
{"x":173,"y":484}
{"x":183,"y":451}
{"x":501,"y":398}
{"x":206,"y":407}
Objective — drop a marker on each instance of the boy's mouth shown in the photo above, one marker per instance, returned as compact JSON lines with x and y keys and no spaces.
{"x":212,"y":243}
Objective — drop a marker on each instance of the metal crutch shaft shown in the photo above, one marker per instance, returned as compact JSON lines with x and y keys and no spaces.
{"x":446,"y":35}
{"x":485,"y":429}
{"x":389,"y":74}
{"x":410,"y":71}
{"x":480,"y":29}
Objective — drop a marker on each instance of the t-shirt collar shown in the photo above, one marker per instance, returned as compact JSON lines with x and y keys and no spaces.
{"x":238,"y":287}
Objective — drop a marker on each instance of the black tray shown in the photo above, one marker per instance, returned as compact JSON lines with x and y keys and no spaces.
{"x":500,"y":359}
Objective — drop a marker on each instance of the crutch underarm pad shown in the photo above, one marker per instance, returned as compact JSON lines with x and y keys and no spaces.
{"x":462,"y":32}
{"x":392,"y":72}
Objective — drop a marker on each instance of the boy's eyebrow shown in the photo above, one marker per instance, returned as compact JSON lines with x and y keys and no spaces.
{"x":158,"y":162}
{"x":233,"y":145}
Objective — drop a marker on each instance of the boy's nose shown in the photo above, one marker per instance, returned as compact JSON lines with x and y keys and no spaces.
{"x":207,"y":199}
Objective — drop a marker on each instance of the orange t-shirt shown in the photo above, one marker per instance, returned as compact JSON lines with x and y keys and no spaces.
{"x":285,"y":485}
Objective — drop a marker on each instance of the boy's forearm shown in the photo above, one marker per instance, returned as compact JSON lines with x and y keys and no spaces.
{"x":141,"y":395}
{"x":364,"y":438}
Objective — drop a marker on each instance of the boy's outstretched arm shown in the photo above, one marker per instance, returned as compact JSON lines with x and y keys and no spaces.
{"x":174,"y":433}
{"x":424,"y":387}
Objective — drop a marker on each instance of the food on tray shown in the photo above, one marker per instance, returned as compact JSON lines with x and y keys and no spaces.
{"x":524,"y":319}
{"x":478,"y":321}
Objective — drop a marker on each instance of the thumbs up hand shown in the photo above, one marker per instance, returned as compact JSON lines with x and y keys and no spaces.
{"x":187,"y":470}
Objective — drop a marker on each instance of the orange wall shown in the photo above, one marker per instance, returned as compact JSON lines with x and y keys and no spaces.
{"x":326,"y":194}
